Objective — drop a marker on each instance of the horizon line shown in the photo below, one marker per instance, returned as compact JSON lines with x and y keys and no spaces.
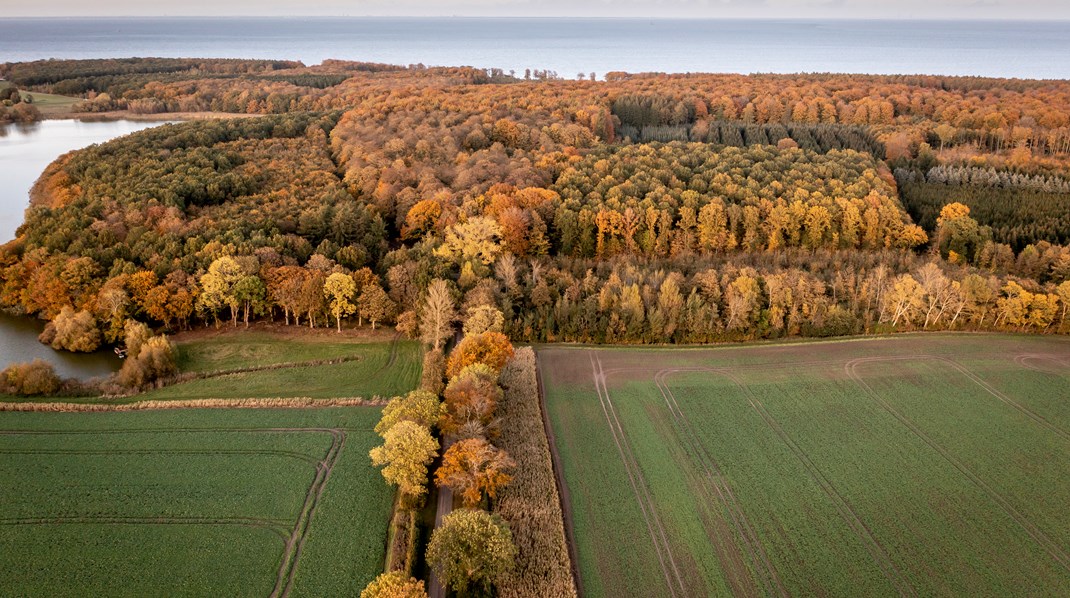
{"x":1031,"y":19}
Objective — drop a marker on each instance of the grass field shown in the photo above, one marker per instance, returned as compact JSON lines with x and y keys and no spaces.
{"x":192,"y":502}
{"x":377,"y":367}
{"x":912,"y":465}
{"x":48,"y":103}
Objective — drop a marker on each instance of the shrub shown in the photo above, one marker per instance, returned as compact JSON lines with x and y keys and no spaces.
{"x":395,"y":584}
{"x":28,"y":379}
{"x":154,"y":360}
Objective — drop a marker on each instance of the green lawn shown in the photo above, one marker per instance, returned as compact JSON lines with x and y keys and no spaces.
{"x":382,"y":368}
{"x":935,"y":466}
{"x":190,"y":502}
{"x":47,"y":103}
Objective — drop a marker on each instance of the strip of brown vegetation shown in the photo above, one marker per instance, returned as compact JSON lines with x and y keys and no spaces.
{"x":272,"y":403}
{"x":530,"y":504}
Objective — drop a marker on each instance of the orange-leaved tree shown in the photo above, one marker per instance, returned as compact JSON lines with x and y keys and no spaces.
{"x":490,"y":348}
{"x":475,"y":467}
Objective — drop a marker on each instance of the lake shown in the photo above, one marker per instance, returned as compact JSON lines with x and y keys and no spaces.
{"x":25,"y":151}
{"x":570,"y":45}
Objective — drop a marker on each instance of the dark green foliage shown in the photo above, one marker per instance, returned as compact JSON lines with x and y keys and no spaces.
{"x":1017,"y":216}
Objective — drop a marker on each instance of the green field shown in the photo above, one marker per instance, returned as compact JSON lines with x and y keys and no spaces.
{"x":913,"y":465}
{"x":47,"y":103}
{"x":191,"y":502}
{"x":382,"y":368}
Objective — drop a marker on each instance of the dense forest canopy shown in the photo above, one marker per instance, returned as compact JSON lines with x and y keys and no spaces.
{"x":641,"y":208}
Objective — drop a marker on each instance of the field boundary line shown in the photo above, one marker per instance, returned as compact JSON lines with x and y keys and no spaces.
{"x":638,"y":483}
{"x":159,"y":404}
{"x":293,"y":547}
{"x":847,"y":512}
{"x":715,"y":478}
{"x":276,"y":526}
{"x":1030,"y":528}
{"x":162,"y":451}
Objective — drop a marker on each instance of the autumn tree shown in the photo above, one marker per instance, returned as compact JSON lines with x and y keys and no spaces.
{"x":407,"y":450}
{"x":394,"y":584}
{"x":473,"y":241}
{"x":483,"y":318}
{"x":471,"y":398}
{"x":958,"y":236}
{"x":473,"y":468}
{"x":339,"y":290}
{"x":217,"y":288}
{"x":375,"y":305}
{"x":437,"y":314}
{"x":419,"y":406}
{"x":155,"y":359}
{"x":471,"y":550}
{"x":72,"y":331}
{"x":489,"y":348}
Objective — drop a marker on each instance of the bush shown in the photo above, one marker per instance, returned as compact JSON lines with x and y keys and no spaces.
{"x":155,"y":360}
{"x":29,"y":379}
{"x":395,"y":584}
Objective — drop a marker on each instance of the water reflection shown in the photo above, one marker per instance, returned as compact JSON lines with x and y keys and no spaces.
{"x":25,"y":151}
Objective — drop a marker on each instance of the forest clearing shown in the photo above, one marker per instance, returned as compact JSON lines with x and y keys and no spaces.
{"x":916,"y":465}
{"x":249,"y":502}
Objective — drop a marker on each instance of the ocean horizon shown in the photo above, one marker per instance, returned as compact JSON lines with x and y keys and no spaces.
{"x":569,"y":46}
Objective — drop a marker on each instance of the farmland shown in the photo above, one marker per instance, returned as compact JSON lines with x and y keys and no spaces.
{"x":914,"y":465}
{"x":192,"y":502}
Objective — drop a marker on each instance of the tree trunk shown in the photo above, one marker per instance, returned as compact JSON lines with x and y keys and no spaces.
{"x":338,"y":319}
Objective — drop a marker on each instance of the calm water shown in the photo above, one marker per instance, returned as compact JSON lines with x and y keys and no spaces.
{"x":569,"y":46}
{"x":25,"y":151}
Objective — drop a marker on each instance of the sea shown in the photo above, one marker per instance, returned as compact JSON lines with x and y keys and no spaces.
{"x":571,"y":46}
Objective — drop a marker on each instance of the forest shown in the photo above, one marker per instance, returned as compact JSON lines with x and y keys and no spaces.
{"x":634,"y":209}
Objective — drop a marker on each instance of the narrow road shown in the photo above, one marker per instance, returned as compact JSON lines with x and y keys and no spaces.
{"x":444,"y":507}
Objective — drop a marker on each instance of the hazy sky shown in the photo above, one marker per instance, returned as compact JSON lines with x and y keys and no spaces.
{"x":910,"y":9}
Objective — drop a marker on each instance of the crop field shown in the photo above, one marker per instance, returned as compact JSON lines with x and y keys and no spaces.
{"x":193,"y":502}
{"x":265,"y":365}
{"x":911,"y":465}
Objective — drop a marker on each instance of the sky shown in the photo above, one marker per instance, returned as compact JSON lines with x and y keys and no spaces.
{"x":844,"y":9}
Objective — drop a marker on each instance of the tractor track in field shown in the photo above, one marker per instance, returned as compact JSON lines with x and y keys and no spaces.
{"x":276,"y":526}
{"x":294,"y":541}
{"x":843,"y":506}
{"x":639,"y":486}
{"x":1037,"y":419}
{"x":724,"y":494}
{"x":1023,"y":361}
{"x":1053,"y":549}
{"x":295,"y":544}
{"x":162,"y":451}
